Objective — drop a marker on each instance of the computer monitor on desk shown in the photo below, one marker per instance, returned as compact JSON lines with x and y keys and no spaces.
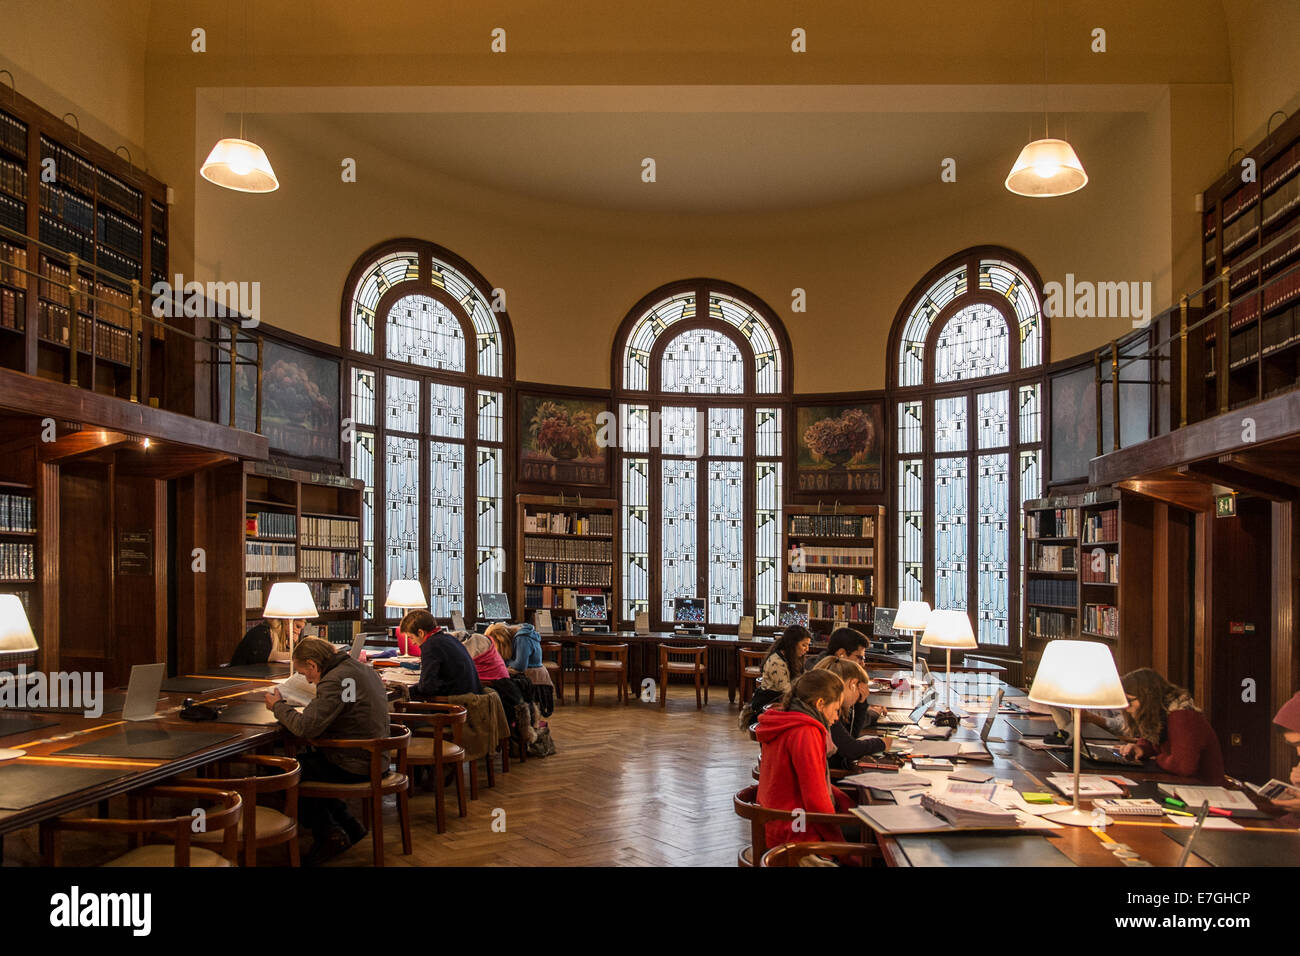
{"x":493,"y":606}
{"x":590,"y":614}
{"x":688,"y":615}
{"x":793,"y":612}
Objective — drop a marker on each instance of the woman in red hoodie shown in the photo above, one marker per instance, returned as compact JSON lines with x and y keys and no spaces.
{"x":1169,"y":726}
{"x":793,"y":774}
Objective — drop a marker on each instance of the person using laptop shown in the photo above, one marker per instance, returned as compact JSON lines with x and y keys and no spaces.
{"x":1288,"y":721}
{"x":1166,"y":725}
{"x":446,"y":669}
{"x":268,"y":641}
{"x":845,"y":643}
{"x":356,"y":710}
{"x":851,"y":745}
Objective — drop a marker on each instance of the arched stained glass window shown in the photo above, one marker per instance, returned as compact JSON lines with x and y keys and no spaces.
{"x":428,"y":360}
{"x":701,"y":394}
{"x":968,"y":419}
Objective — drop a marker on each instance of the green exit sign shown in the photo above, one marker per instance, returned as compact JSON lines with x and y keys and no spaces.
{"x":1225,"y":506}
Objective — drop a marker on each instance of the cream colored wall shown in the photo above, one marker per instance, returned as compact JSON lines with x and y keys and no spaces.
{"x":1264,"y":44}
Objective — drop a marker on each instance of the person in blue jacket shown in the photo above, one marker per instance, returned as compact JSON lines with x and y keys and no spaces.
{"x":523,"y":642}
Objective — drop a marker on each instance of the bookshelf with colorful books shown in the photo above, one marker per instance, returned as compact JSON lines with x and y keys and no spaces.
{"x":566,"y":547}
{"x":832,"y":553}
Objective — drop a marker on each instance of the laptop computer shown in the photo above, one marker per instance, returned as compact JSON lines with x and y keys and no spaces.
{"x":905,"y":718}
{"x":966,"y":749}
{"x":358,"y":643}
{"x":142,"y":691}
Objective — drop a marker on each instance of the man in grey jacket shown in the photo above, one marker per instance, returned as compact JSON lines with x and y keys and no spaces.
{"x":350,"y":703}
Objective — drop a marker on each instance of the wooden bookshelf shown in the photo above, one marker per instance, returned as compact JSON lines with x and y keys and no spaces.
{"x":300,"y":526}
{"x":566,"y":547}
{"x":19,"y":562}
{"x":1250,"y":235}
{"x":833,"y":555}
{"x":1087,"y":571}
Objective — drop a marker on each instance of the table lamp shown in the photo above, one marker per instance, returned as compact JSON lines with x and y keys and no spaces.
{"x":15,"y":630}
{"x":949,"y":630}
{"x":405,"y":594}
{"x":290,"y":600}
{"x":1078,"y":675}
{"x":912,"y":616}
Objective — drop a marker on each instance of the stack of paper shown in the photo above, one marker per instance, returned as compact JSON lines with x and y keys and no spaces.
{"x":1219,"y":798}
{"x":902,"y":780}
{"x":1090,"y":785}
{"x":968,"y":810}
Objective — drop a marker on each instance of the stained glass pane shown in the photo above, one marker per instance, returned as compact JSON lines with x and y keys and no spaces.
{"x":910,"y":429}
{"x":447,"y":410}
{"x":703,"y":361}
{"x":423,"y":331}
{"x":973,"y":344}
{"x":491,"y":416}
{"x":487,"y":332}
{"x":636,"y":359}
{"x":726,"y":541}
{"x":767,"y":541}
{"x":635,"y":422}
{"x":402,"y":510}
{"x":950,"y":480}
{"x":401,"y":404}
{"x":379,"y":278}
{"x":726,"y":432}
{"x":363,"y":398}
{"x":677,"y":430}
{"x":636,"y":537}
{"x":1031,"y":475}
{"x":911,"y":350}
{"x":1031,"y":414}
{"x":446,"y":527}
{"x":767,"y":354}
{"x":490,"y":543}
{"x":994,"y":525}
{"x":1006,"y":279}
{"x":994,"y":419}
{"x":363,"y":467}
{"x":950,"y":424}
{"x":911,"y":530}
{"x":677,"y":534}
{"x":768,"y":437}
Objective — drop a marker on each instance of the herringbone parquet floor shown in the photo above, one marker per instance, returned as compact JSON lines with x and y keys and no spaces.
{"x":630,"y":785}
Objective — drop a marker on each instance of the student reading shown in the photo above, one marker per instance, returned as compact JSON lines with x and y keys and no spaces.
{"x":783,"y":664}
{"x":268,"y":641}
{"x":446,"y":668}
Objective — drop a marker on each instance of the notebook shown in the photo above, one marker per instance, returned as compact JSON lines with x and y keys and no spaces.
{"x":142,"y":691}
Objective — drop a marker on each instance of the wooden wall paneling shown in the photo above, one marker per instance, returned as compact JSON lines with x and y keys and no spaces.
{"x":87,"y":612}
{"x":1173,"y":589}
{"x":191,"y":594}
{"x":1161,"y":574}
{"x":140,"y":598}
{"x":47,"y":517}
{"x":1136,"y":518}
{"x":1285,"y":588}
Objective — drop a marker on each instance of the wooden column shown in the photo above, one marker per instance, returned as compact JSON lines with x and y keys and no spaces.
{"x":1286,"y":660}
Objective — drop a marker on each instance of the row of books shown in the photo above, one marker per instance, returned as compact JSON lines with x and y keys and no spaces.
{"x":329,"y":564}
{"x":1101,"y":526}
{"x":1281,"y":291}
{"x":67,"y":207}
{"x":830,"y":611}
{"x":334,"y":596}
{"x":254,"y":597}
{"x":331,"y":532}
{"x":120,"y":264}
{"x":13,"y":309}
{"x":112,"y":342}
{"x":827,"y":583}
{"x":1244,"y":310}
{"x":270,"y":524}
{"x":1052,"y":557}
{"x":65,"y":238}
{"x":13,"y":265}
{"x":126,"y":198}
{"x":119,"y":232}
{"x":13,"y":178}
{"x":69,"y":168}
{"x":562,"y":522}
{"x":17,"y":561}
{"x":1108,"y":574}
{"x":13,"y":134}
{"x":1278,"y":331}
{"x":263,"y":558}
{"x":1239,"y":233}
{"x":56,"y":285}
{"x":1282,"y":167}
{"x":833,"y":526}
{"x":1101,"y":619}
{"x":544,"y":596}
{"x":1050,"y":625}
{"x":546,"y":572}
{"x":1055,"y":592}
{"x":13,"y":213}
{"x":832,"y":557}
{"x":558,"y":549}
{"x":17,"y":513}
{"x":1281,"y":202}
{"x":1054,"y":523}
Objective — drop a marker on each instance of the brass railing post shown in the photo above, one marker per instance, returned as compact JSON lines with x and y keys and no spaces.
{"x":74,"y":329}
{"x":234,"y":352}
{"x":1221,"y":353}
{"x":1114,"y":394}
{"x":1182,"y":362}
{"x":131,"y":345}
{"x":258,"y":423}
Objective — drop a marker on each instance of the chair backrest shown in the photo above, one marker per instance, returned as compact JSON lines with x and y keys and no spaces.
{"x":379,"y":748}
{"x":790,"y":854}
{"x":552,"y":647}
{"x":750,"y":658}
{"x":618,"y":650}
{"x":440,"y":717}
{"x":700,"y":653}
{"x":748,"y":808}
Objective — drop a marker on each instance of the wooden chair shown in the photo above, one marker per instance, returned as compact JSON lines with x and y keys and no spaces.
{"x":502,"y":748}
{"x":555,"y":667}
{"x":382,"y":782}
{"x":751,"y":669}
{"x":790,"y":854}
{"x":260,"y":826}
{"x":617,"y":666}
{"x":429,"y":748}
{"x":747,"y":807}
{"x":181,"y":851}
{"x":697,"y":666}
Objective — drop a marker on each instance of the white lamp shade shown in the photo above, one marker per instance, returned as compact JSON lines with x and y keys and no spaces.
{"x":291,"y":600}
{"x":912,"y":616}
{"x":950,"y":629}
{"x":15,"y":630}
{"x":240,"y":165}
{"x":407,"y":594}
{"x":1045,"y":168}
{"x":1078,"y":674}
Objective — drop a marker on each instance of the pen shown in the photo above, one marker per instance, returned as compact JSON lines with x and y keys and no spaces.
{"x":1174,"y":803}
{"x":1178,"y":813}
{"x":1220,"y":813}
